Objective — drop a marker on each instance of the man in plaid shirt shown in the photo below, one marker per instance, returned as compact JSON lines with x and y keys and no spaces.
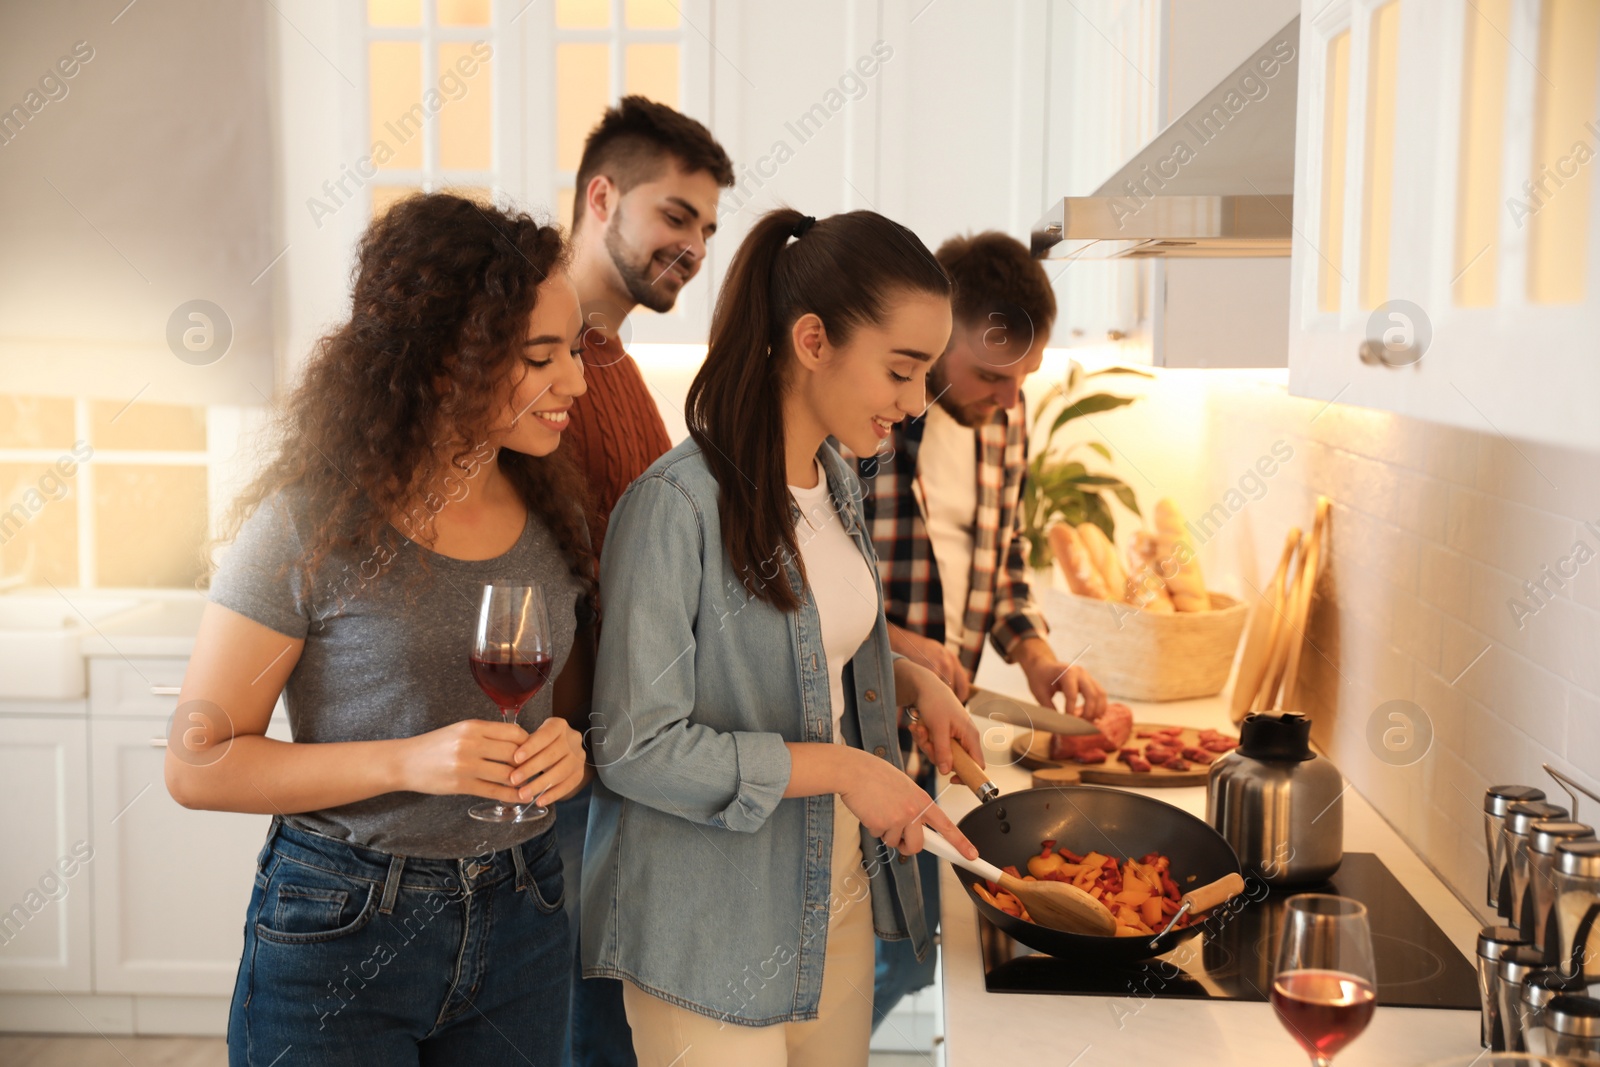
{"x":942,"y":504}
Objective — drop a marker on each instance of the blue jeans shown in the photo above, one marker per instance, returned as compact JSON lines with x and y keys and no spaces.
{"x":597,"y":1028}
{"x":353,"y":956}
{"x":897,"y":972}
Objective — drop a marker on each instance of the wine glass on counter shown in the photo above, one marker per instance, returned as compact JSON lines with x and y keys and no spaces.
{"x":1325,"y":986}
{"x":511,"y":659}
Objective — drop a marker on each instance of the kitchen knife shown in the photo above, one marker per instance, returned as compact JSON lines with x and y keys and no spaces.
{"x":1001,"y":708}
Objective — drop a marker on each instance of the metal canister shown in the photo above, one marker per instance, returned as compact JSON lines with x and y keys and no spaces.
{"x":1493,"y":943}
{"x":1496,"y":800}
{"x":1543,"y":837}
{"x":1278,"y":803}
{"x":1540,"y":988}
{"x":1577,"y":907}
{"x":1572,"y":1027}
{"x":1515,"y":965}
{"x":1520,"y":818}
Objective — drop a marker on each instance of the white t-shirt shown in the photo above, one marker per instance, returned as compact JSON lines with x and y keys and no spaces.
{"x":840,"y":582}
{"x":947,"y":468}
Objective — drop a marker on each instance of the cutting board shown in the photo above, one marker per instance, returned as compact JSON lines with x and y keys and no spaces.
{"x":1032,"y":749}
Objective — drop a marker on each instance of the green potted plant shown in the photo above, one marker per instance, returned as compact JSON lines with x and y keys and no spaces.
{"x":1061,"y":488}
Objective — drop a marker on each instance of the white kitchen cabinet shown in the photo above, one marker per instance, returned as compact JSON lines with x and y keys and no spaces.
{"x":171,"y":885}
{"x":1461,"y":294}
{"x":951,"y":117}
{"x":45,"y":841}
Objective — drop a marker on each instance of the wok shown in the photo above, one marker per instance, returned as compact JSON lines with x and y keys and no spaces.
{"x":1007,"y":830}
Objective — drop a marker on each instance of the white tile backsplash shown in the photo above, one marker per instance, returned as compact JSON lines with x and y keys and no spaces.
{"x":1433,"y":531}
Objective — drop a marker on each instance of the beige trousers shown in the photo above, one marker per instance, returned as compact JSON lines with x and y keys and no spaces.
{"x":665,"y":1035}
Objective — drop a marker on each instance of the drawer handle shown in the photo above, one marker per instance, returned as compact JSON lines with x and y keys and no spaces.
{"x":158,"y":742}
{"x":164,"y":690}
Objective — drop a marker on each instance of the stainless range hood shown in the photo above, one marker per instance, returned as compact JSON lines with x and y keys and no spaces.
{"x":1218,"y":182}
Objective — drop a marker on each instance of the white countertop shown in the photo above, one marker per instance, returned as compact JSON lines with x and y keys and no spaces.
{"x":159,"y":627}
{"x":1005,"y":1028}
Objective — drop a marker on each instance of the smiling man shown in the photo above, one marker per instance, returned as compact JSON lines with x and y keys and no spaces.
{"x":646,"y":204}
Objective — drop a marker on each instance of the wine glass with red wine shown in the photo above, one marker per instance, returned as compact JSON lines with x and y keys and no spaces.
{"x":511,"y":658}
{"x":1325,"y":987}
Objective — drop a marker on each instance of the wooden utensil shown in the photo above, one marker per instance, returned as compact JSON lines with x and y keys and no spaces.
{"x":1265,"y":620}
{"x":1266,"y":695}
{"x":1302,"y":608}
{"x":1054,"y":904}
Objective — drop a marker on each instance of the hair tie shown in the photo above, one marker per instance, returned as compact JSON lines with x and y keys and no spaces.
{"x":805,"y":223}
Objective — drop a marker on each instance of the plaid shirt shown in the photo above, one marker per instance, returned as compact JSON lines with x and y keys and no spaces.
{"x":999,"y":604}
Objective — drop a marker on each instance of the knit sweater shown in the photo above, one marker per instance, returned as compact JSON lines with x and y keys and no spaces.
{"x":616,"y":430}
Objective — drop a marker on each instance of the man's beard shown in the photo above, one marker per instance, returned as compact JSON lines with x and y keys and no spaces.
{"x":637,"y":278}
{"x":939,"y":386}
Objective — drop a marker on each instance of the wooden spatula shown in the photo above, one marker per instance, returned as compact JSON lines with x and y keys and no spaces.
{"x":1265,"y":621}
{"x":1314,"y":552}
{"x":1054,"y":904}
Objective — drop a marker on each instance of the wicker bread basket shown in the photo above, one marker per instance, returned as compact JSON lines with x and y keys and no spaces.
{"x":1139,"y":655}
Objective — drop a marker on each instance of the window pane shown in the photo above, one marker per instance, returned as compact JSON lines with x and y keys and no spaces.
{"x":463,"y":12}
{"x":36,"y":422}
{"x":651,"y":15}
{"x":39,"y":523}
{"x":583,"y":87}
{"x":652,"y":71}
{"x":1383,"y":72}
{"x":1562,"y":175}
{"x":465,"y":121}
{"x":384,"y":196}
{"x":394,"y":12}
{"x":152,"y":525}
{"x":1483,"y":115}
{"x":583,"y":14}
{"x":142,"y":426}
{"x":1335,"y":141}
{"x":395,"y":101}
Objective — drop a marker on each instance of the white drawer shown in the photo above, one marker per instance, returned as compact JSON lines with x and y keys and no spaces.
{"x":119,"y":687}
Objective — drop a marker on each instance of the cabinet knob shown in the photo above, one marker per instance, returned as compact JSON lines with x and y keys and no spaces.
{"x":164,"y":690}
{"x":1377,"y":353}
{"x":158,"y":742}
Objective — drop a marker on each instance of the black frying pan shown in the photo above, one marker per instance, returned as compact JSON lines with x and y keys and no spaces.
{"x":1008,"y":829}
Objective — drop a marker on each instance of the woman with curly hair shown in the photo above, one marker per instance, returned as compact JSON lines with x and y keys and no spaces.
{"x":416,"y":462}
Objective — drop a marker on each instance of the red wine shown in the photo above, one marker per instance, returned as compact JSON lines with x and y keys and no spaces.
{"x":1323,"y":1010}
{"x":510,"y":685}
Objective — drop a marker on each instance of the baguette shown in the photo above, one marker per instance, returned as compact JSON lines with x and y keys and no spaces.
{"x":1178,"y":563}
{"x":1145,"y":588}
{"x":1104,"y":556}
{"x":1073,"y":558}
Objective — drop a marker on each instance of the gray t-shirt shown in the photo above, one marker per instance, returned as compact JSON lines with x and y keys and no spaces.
{"x":386,"y":647}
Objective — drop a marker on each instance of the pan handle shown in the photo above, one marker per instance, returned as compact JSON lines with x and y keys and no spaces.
{"x":932,"y":842}
{"x":1204,"y":898}
{"x":1211,"y":894}
{"x":971,"y":775}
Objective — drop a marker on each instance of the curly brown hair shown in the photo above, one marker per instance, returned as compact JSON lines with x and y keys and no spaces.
{"x":443,"y":290}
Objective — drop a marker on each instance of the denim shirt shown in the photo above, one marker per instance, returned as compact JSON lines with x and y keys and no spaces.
{"x":701,"y":883}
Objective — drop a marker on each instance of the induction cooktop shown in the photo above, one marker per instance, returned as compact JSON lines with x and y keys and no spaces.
{"x":1232,"y":958}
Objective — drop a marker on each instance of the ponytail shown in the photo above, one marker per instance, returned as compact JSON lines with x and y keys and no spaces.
{"x":842,"y":269}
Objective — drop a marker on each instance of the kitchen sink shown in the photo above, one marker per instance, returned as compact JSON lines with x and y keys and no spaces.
{"x":41,"y":635}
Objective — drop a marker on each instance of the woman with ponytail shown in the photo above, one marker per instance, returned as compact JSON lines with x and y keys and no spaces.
{"x":742,"y":843}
